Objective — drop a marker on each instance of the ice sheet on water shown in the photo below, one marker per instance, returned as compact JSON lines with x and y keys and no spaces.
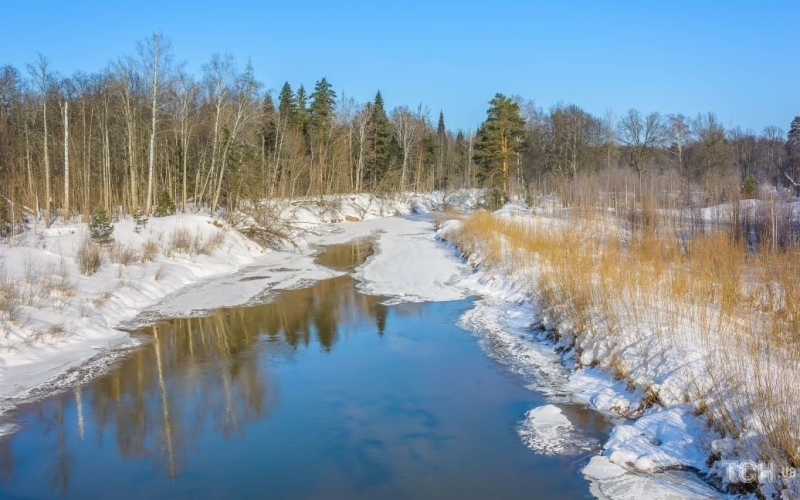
{"x":608,"y":480}
{"x":547,"y":431}
{"x":503,"y":330}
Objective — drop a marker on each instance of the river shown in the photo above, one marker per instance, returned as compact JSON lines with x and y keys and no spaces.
{"x":321,"y":392}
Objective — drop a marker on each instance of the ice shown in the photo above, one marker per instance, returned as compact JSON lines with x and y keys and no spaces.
{"x":547,"y":431}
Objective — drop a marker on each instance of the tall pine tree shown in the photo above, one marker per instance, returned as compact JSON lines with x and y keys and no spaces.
{"x":497,"y":142}
{"x":301,"y":108}
{"x":323,"y":103}
{"x":287,"y":108}
{"x":380,"y":138}
{"x":441,"y":157}
{"x":793,"y":155}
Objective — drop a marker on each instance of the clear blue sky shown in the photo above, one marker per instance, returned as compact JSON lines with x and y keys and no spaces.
{"x":740,"y":59}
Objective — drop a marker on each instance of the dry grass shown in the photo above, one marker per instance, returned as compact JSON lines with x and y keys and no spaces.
{"x":205,"y":246}
{"x":150,"y":250}
{"x":124,"y":255}
{"x":10,"y":298}
{"x":89,"y":257}
{"x":181,"y":240}
{"x":729,"y":315}
{"x":184,"y":240}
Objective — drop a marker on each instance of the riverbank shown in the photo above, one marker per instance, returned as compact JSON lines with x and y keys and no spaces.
{"x":56,"y":319}
{"x":663,"y":338}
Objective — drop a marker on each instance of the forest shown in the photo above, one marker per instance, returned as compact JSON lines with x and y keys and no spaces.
{"x":144,"y":131}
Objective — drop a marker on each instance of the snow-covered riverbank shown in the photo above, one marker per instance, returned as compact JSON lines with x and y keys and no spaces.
{"x":654,"y":450}
{"x":56,"y":320}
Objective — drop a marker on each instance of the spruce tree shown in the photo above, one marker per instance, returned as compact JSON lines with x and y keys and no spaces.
{"x":323,"y":103}
{"x":441,"y":146}
{"x":793,"y":155}
{"x":381,"y":141}
{"x":301,"y":108}
{"x":101,"y":229}
{"x":287,"y":107}
{"x":497,"y":142}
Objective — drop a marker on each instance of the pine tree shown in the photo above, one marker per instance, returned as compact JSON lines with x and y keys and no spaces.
{"x":323,"y":103}
{"x":381,"y":142}
{"x":441,"y":146}
{"x":100,"y":227}
{"x":287,"y":107}
{"x":320,"y":114}
{"x":497,"y":142}
{"x":793,"y":155}
{"x":165,"y":206}
{"x":301,"y":108}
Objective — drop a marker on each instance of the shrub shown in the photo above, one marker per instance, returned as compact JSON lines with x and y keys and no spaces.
{"x":140,"y":221}
{"x":89,"y":257}
{"x":164,"y":206}
{"x":100,"y":227}
{"x":123,"y":254}
{"x":181,"y":240}
{"x":750,"y":186}
{"x":149,"y":250}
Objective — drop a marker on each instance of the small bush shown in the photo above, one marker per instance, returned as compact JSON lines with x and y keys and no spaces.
{"x":124,"y":255}
{"x":140,"y":221}
{"x":181,"y":240}
{"x":208,"y":245}
{"x":149,"y":251}
{"x":89,"y":257}
{"x":164,"y":206}
{"x":750,"y":186}
{"x":10,"y":300}
{"x":101,"y":228}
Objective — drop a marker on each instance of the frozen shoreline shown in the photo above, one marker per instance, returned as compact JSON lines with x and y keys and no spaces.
{"x":80,"y":326}
{"x":662,"y":451}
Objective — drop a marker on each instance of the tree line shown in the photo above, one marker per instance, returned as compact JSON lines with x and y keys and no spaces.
{"x":144,"y":129}
{"x":520,"y":144}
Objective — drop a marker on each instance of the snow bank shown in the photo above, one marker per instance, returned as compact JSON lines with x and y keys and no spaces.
{"x":64,"y":318}
{"x":639,"y":452}
{"x":409,"y":266}
{"x":59,"y":320}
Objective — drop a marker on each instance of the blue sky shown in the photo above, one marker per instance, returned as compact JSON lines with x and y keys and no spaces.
{"x":740,"y":59}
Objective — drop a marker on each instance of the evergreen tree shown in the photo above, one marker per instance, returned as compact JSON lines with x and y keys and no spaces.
{"x":497,"y":141}
{"x":323,"y":103}
{"x":287,"y":107}
{"x":301,"y":108}
{"x":442,"y":147}
{"x":381,"y":141}
{"x":165,"y":206}
{"x":793,"y":155}
{"x":100,"y":227}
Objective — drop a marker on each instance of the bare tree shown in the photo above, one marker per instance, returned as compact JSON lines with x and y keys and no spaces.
{"x":407,"y":130}
{"x":154,"y":54}
{"x":43,"y":80}
{"x":185,"y":99}
{"x":643,"y":137}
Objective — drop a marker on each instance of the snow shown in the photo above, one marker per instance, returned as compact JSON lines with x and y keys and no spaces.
{"x":641,"y":452}
{"x":610,"y":481}
{"x":547,"y":431}
{"x":79,"y":321}
{"x":663,"y":438}
{"x":409,"y":265}
{"x":67,"y":318}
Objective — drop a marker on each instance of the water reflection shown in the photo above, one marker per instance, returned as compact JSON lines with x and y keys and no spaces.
{"x":304,"y":397}
{"x":199,"y":374}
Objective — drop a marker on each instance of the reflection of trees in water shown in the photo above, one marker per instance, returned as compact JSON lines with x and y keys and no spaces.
{"x":200,"y":374}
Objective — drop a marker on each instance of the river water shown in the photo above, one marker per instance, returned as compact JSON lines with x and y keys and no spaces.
{"x":322,"y":392}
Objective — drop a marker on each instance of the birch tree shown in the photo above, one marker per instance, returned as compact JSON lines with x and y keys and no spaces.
{"x":42,"y":79}
{"x":407,"y":130}
{"x":154,"y":54}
